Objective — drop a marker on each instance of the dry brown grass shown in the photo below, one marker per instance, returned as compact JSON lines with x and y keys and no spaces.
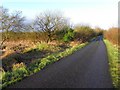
{"x":10,"y":45}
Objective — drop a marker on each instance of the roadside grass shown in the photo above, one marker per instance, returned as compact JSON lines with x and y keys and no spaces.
{"x":20,"y":71}
{"x":114,"y":63}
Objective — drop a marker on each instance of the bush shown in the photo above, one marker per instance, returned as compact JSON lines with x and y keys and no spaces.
{"x":32,"y":36}
{"x":84,"y":33}
{"x":112,"y":35}
{"x":69,"y":36}
{"x":65,"y":35}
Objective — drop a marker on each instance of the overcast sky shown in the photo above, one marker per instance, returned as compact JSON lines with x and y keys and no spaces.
{"x":96,"y":13}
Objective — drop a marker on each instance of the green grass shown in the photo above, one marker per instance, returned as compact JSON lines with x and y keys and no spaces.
{"x":20,"y":71}
{"x":114,"y":63}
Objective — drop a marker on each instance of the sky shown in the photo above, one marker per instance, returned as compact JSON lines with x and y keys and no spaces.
{"x":95,"y":13}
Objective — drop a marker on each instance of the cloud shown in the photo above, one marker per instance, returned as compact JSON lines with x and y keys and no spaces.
{"x":102,"y":17}
{"x":102,"y":13}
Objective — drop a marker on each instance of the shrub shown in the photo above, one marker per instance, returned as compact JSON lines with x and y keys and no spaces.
{"x":84,"y":33}
{"x":69,"y":36}
{"x":112,"y":35}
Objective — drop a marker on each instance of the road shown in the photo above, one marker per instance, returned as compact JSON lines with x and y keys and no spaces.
{"x":86,"y":68}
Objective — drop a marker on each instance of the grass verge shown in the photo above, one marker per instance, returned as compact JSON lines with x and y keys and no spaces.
{"x":20,"y":71}
{"x":114,"y":63}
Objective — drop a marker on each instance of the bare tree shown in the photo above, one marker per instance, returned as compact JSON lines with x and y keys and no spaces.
{"x":3,"y":20}
{"x":13,"y":22}
{"x":49,"y":22}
